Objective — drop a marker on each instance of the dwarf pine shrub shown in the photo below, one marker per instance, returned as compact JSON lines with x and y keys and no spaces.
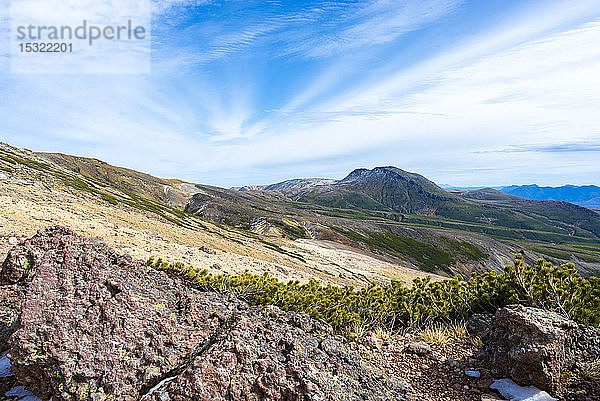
{"x":395,"y":306}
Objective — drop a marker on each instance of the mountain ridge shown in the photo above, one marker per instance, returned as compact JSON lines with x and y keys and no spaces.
{"x":584,"y":195}
{"x":395,"y":216}
{"x":294,"y":183}
{"x":390,"y":189}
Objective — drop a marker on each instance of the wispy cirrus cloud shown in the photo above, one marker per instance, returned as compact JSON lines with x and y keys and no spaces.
{"x":316,"y":29}
{"x":550,"y":148}
{"x":371,"y":24}
{"x":247,"y":92}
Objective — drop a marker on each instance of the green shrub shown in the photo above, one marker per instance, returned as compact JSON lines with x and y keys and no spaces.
{"x":558,"y":288}
{"x":428,"y":257}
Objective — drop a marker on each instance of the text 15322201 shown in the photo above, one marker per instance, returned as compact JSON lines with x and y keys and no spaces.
{"x":44,"y":47}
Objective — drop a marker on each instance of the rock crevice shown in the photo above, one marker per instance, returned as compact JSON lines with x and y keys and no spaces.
{"x":218,"y":335}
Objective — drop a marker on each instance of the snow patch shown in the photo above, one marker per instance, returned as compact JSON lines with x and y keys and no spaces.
{"x":5,"y":366}
{"x":473,"y":373}
{"x":513,"y":392}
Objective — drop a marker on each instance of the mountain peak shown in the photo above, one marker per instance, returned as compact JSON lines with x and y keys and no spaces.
{"x":389,"y":173}
{"x":296,"y":183}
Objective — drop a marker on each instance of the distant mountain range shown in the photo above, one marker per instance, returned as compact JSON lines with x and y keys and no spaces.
{"x":297,"y":183}
{"x":587,"y":195}
{"x":410,"y":197}
{"x":396,"y":215}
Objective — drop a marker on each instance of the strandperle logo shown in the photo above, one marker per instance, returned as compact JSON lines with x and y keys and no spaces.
{"x":80,"y":36}
{"x":85,"y":31}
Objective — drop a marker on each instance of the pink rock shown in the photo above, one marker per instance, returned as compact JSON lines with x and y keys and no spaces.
{"x":531,"y":346}
{"x":95,"y":325}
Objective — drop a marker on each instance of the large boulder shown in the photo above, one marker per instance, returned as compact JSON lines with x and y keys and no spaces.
{"x":11,"y":297}
{"x":95,"y":325}
{"x":272,"y":355}
{"x":531,"y":346}
{"x":587,"y":344}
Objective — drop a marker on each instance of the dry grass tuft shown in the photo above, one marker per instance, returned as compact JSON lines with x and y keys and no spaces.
{"x":442,"y":334}
{"x":382,"y":333}
{"x":435,"y":334}
{"x":591,"y":371}
{"x":458,"y":330}
{"x":356,"y":331}
{"x":476,"y":341}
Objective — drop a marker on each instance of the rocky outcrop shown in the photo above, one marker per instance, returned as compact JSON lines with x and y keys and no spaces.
{"x":272,"y":355}
{"x":10,"y":309}
{"x":586,"y":347}
{"x":531,"y":346}
{"x":85,"y":323}
{"x":479,"y":323}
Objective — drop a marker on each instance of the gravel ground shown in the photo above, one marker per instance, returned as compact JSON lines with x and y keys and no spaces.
{"x":435,"y":376}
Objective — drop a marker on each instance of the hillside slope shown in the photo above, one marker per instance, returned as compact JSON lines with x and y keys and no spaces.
{"x":373,"y":224}
{"x":36,"y":191}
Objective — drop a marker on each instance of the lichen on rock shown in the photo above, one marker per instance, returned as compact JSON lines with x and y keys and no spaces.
{"x":531,"y":346}
{"x":96,"y":325}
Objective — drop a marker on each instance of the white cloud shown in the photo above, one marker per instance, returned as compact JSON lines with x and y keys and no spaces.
{"x":544,"y":90}
{"x":527,"y":81}
{"x":373,"y":23}
{"x":118,"y":55}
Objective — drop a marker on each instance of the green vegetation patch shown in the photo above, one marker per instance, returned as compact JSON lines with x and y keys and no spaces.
{"x":428,"y":257}
{"x":465,"y":249}
{"x":566,"y":253}
{"x":292,"y":231}
{"x":555,"y":288}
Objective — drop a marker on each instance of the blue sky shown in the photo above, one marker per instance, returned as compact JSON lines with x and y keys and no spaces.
{"x":467,"y":93}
